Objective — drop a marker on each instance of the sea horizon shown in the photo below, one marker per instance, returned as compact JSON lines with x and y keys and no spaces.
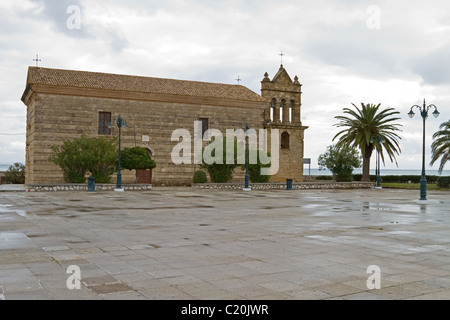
{"x":326,"y":172}
{"x":383,"y":172}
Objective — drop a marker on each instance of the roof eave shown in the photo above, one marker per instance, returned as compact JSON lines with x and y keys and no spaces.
{"x":140,"y":96}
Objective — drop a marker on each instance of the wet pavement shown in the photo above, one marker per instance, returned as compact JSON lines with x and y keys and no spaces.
{"x":180,"y":243}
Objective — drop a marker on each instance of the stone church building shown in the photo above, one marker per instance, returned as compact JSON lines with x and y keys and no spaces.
{"x":65,"y":104}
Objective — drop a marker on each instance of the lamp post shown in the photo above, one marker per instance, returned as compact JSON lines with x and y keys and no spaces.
{"x":120,"y":123}
{"x":380,"y":140}
{"x":424,"y":113}
{"x":247,"y":178}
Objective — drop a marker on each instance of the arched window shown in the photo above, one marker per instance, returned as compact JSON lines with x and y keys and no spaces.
{"x":285,"y":140}
{"x":272,"y":109}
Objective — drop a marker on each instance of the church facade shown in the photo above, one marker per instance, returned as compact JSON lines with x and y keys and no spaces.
{"x":65,"y":104}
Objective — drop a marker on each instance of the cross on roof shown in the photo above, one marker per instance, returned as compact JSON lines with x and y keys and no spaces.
{"x":282,"y":54}
{"x":238,"y":80}
{"x":37,"y":60}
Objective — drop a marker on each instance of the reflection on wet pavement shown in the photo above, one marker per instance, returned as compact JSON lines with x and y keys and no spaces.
{"x":214,"y":244}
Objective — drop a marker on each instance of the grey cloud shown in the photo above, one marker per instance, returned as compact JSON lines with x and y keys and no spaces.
{"x":357,"y":49}
{"x":434,"y":67}
{"x":57,"y":12}
{"x":394,"y":50}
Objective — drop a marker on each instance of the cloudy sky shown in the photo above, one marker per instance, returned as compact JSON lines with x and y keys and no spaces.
{"x":350,"y":51}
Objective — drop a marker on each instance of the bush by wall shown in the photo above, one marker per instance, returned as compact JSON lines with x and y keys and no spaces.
{"x":254,"y":170}
{"x":200,"y":177}
{"x":358,"y":177}
{"x":77,"y":157}
{"x":443,"y":182}
{"x":324,"y":178}
{"x":16,"y":174}
{"x":398,"y":179}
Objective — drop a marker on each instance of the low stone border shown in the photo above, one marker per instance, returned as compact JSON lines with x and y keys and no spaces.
{"x":216,"y":186}
{"x":12,"y":188}
{"x":283,"y":186}
{"x":84,"y":187}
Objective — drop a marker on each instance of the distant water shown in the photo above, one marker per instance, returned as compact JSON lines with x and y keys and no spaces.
{"x":4,"y":167}
{"x":317,"y":172}
{"x":383,"y":172}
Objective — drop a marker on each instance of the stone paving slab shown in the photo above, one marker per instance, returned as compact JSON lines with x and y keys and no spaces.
{"x":188,"y":244}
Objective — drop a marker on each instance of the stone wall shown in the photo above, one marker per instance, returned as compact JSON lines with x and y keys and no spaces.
{"x":291,"y":159}
{"x":53,"y":118}
{"x":57,"y":111}
{"x":285,"y":98}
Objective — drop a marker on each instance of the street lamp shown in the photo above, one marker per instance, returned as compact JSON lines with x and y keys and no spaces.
{"x":247,"y":178}
{"x":120,"y":123}
{"x":380,"y":140}
{"x":424,"y":113}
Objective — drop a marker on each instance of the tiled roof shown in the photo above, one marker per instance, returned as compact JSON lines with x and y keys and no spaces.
{"x":107,"y":81}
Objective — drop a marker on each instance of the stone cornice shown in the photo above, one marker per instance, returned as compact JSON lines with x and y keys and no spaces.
{"x":282,"y":125}
{"x":137,"y":96}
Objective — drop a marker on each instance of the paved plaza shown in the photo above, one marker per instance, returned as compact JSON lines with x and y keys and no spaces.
{"x":181,"y":243}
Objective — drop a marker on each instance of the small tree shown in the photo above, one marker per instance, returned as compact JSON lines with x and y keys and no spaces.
{"x":16,"y":173}
{"x":78,"y":157}
{"x":103,"y":155}
{"x":220,"y":172}
{"x":254,"y":170}
{"x":136,"y":158}
{"x":223,"y":172}
{"x":71,"y":159}
{"x":340,"y":161}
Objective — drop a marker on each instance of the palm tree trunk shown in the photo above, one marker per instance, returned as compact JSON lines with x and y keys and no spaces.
{"x":366,"y":164}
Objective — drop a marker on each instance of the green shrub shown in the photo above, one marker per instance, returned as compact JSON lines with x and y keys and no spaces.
{"x":324,"y":178}
{"x":443,"y":182}
{"x":200,"y":177}
{"x":219,"y":172}
{"x":16,"y":174}
{"x":340,"y":161}
{"x":358,"y":177}
{"x":398,"y":178}
{"x":77,"y":157}
{"x":254,"y":170}
{"x":223,"y":172}
{"x":136,"y":158}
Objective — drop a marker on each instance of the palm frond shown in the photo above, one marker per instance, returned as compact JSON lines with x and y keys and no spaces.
{"x":440,"y":147}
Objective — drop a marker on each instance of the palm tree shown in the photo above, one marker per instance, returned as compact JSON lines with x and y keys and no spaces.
{"x":364,"y":126}
{"x":441,"y":145}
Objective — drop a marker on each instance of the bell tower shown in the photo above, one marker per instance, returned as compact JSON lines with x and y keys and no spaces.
{"x":284,"y":114}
